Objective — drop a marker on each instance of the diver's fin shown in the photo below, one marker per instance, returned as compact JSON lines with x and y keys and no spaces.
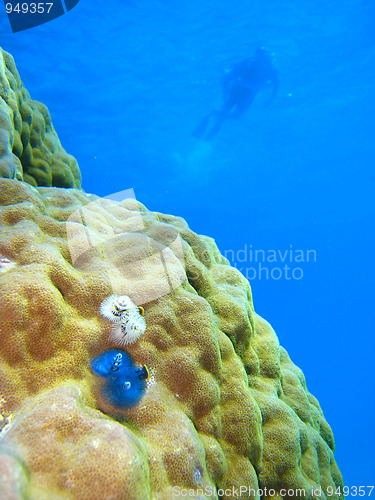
{"x":202,"y":126}
{"x":215,"y":128}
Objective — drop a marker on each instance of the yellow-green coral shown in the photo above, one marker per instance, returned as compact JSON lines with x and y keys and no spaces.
{"x":91,"y":456}
{"x":29,"y":146}
{"x":225,"y":408}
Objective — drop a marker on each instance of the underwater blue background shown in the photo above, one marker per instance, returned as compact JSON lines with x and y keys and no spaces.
{"x":126,"y":82}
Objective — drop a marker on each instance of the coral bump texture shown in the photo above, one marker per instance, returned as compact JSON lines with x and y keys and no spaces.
{"x":225,"y":413}
{"x":30,"y":149}
{"x":225,"y":406}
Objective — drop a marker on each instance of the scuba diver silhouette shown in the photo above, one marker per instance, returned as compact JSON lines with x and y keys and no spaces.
{"x":240,"y":86}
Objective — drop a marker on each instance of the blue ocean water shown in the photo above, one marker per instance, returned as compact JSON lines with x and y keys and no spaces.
{"x":126,"y":83}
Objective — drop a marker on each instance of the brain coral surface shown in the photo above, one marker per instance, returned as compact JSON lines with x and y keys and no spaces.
{"x":29,"y":146}
{"x":226,"y":412}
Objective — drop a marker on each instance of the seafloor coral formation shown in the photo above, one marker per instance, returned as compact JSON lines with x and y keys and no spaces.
{"x":29,"y":146}
{"x":225,"y":408}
